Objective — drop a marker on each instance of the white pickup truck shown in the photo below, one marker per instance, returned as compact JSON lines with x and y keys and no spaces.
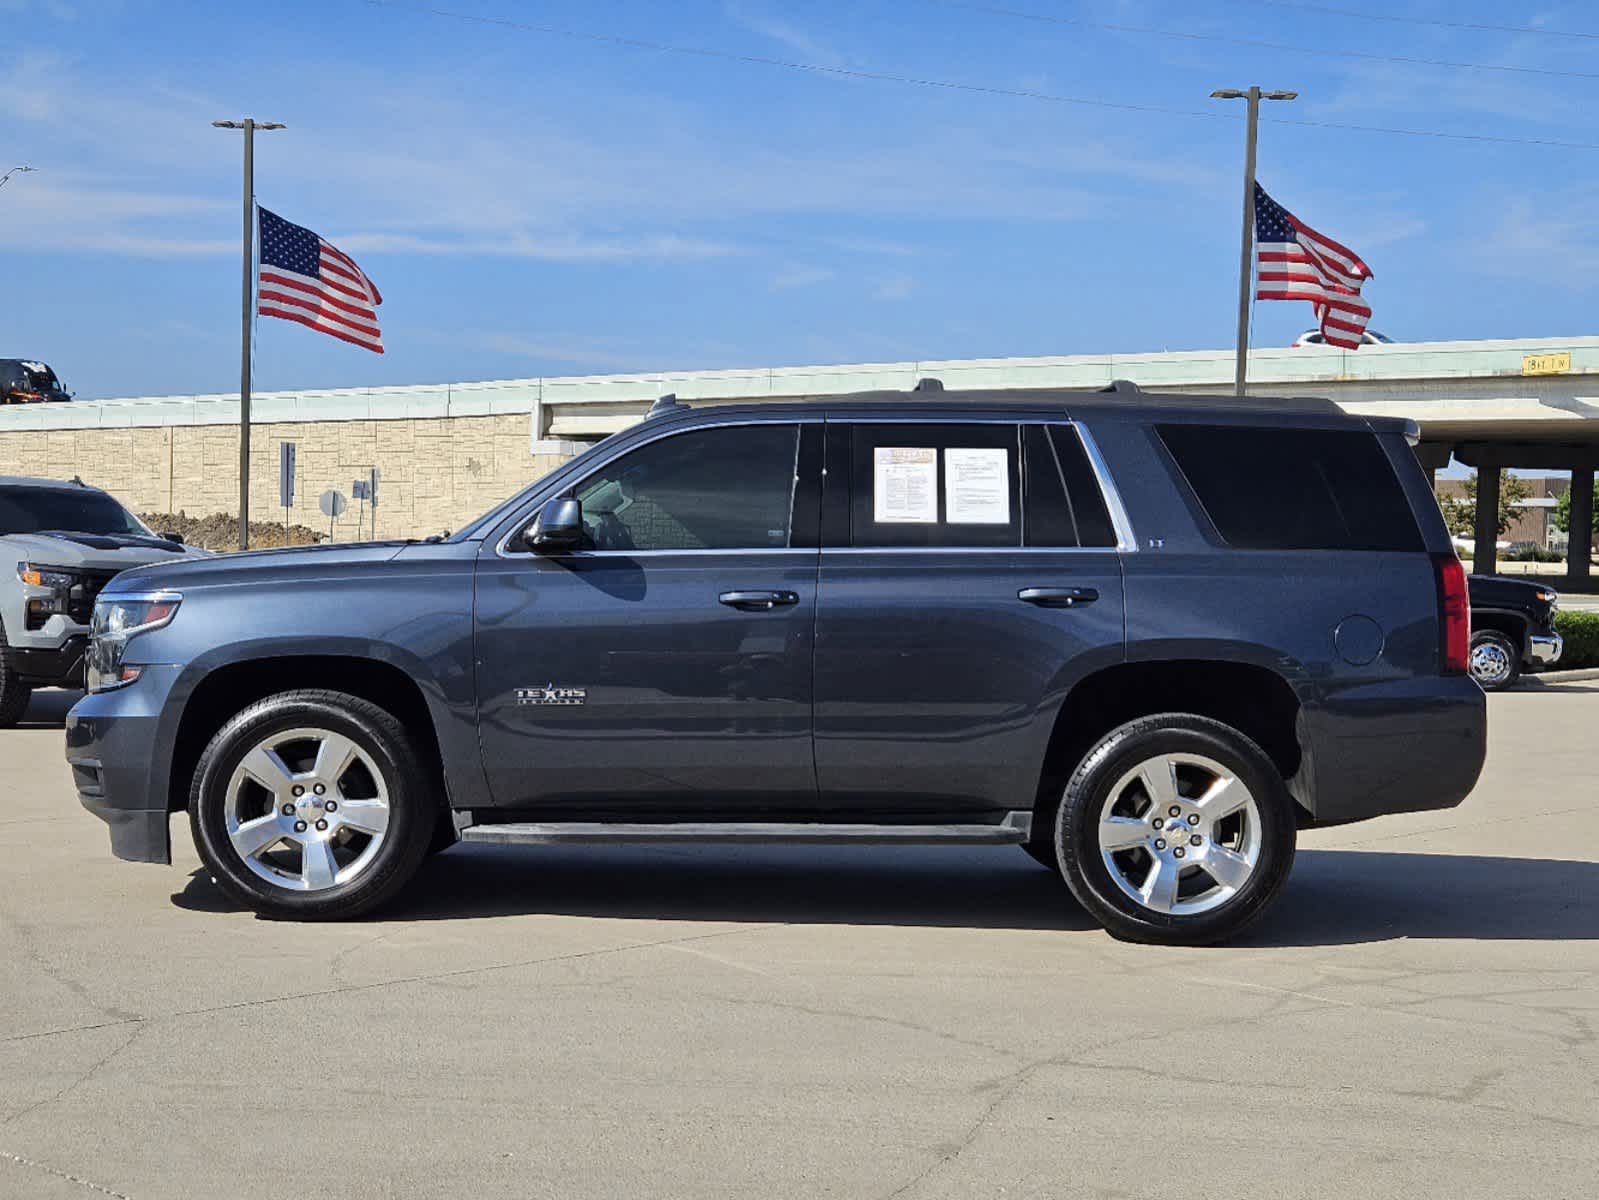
{"x":60,"y":543}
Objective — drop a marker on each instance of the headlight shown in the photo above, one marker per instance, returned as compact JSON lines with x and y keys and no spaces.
{"x":116,"y":620}
{"x":56,"y":578}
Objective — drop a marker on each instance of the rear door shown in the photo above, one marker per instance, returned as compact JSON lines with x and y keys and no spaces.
{"x":969,"y":575}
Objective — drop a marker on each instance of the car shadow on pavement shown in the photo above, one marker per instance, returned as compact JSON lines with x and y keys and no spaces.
{"x":1334,"y":897}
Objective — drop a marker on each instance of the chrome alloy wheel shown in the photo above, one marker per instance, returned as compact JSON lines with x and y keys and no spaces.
{"x":306,"y":809}
{"x":1180,"y":834}
{"x":1490,"y":665}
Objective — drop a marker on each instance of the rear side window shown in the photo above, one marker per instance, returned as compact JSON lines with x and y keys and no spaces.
{"x":1294,"y":489}
{"x":933,"y":484}
{"x":1064,"y":504}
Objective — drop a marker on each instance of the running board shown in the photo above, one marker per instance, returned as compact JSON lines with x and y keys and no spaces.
{"x":1013,"y":830}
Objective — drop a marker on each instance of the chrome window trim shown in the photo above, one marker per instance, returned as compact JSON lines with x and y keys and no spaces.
{"x":1125,"y":542}
{"x":520,"y":524}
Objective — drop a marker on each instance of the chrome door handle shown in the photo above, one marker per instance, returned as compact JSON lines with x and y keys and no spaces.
{"x":758,"y":601}
{"x":1058,"y":597}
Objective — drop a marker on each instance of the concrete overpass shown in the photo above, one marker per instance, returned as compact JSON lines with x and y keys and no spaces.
{"x":1525,"y":403}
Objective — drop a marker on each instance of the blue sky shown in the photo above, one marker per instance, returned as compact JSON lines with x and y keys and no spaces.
{"x":536,"y":204}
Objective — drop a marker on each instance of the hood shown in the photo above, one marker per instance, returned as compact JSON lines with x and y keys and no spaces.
{"x":94,"y":551}
{"x":298,"y":563}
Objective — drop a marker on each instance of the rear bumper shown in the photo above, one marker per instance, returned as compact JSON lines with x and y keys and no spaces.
{"x":1412,"y":745}
{"x":115,"y":748}
{"x":1545,"y":649}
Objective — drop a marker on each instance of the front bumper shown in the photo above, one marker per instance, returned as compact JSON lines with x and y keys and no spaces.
{"x":1546,"y":649}
{"x":121,"y":758}
{"x":53,"y":666}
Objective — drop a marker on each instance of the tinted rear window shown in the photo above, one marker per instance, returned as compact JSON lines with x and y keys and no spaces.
{"x":1294,"y":489}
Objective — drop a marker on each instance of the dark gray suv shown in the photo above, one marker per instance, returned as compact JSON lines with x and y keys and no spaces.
{"x":1147,"y":638}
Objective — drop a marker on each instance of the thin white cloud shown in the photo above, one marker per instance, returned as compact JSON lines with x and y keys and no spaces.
{"x":800,"y":277}
{"x":555,"y":247}
{"x":895,"y":287}
{"x":757,"y":20}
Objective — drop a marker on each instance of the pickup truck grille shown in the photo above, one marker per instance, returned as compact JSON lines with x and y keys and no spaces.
{"x":80,"y":605}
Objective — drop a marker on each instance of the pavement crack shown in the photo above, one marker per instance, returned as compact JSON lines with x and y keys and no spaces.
{"x":377,"y":984}
{"x":86,"y":1184}
{"x":82,"y":1079}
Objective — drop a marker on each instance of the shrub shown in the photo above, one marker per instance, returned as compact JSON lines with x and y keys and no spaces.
{"x":1532,"y":552}
{"x":1581,"y":631}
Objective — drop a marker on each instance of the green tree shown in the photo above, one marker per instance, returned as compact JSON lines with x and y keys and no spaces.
{"x":1563,"y":513}
{"x":1461,"y":515}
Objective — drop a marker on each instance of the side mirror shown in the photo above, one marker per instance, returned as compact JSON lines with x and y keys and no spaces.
{"x":175,"y":538}
{"x":558,"y":527}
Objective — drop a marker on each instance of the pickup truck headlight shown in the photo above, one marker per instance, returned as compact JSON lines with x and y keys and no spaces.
{"x":60,"y":580}
{"x":116,"y":621}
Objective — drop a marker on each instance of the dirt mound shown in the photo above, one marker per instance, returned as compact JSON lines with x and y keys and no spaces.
{"x":220,"y":531}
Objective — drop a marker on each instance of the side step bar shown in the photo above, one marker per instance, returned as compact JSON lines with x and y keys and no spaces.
{"x":1013,"y":830}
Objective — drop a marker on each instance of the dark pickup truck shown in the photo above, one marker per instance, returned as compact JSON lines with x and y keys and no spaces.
{"x":1512,"y":629}
{"x":1146,"y":638}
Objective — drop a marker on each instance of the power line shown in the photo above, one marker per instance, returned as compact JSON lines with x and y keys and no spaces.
{"x":952,"y":85}
{"x":1436,"y":22}
{"x":1257,"y":43}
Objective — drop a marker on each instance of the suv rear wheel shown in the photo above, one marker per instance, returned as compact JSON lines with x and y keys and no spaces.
{"x":1175,"y":829}
{"x":311,"y":804}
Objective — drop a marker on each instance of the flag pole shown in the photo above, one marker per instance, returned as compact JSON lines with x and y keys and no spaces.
{"x":249,"y":125}
{"x":1247,"y":244}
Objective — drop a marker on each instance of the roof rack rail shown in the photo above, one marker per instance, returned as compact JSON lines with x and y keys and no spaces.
{"x":1122,"y":387}
{"x":663,"y":405}
{"x":928,"y":384}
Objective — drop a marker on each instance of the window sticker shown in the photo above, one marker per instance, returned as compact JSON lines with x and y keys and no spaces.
{"x":905,"y":485}
{"x":977,"y":486}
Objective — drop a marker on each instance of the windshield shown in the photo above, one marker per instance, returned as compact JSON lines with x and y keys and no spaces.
{"x":73,"y":510}
{"x":38,"y":377}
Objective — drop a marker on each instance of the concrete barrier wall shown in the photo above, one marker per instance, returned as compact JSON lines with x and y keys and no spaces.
{"x":448,"y":452}
{"x":436,"y":473}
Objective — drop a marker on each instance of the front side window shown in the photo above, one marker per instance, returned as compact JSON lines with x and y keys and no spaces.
{"x":730,"y":488}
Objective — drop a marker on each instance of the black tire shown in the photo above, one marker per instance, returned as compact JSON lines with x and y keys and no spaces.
{"x":14,"y":694}
{"x":412,"y":807}
{"x":1120,"y":751}
{"x":1499,"y":664}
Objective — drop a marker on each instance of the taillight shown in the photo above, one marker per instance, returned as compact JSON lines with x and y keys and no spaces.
{"x":1454,"y":615}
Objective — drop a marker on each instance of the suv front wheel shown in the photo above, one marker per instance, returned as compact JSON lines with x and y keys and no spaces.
{"x":1175,"y":829}
{"x":312,"y":804}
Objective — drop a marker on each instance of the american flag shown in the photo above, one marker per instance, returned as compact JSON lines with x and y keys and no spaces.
{"x":1294,"y":262}
{"x":306,"y":279}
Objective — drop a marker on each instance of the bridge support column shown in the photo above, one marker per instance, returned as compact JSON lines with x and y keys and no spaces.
{"x":1581,"y":536}
{"x":1487,"y":527}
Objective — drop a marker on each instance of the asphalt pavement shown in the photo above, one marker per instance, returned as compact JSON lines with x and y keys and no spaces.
{"x":1417,"y":1017}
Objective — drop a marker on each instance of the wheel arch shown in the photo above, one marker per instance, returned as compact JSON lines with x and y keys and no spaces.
{"x":1512,"y":624}
{"x":1256,"y":700}
{"x":231,"y":686}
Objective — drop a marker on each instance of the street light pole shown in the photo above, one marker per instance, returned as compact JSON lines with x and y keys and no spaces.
{"x":249,"y":125}
{"x":1252,"y":125}
{"x":22,"y":170}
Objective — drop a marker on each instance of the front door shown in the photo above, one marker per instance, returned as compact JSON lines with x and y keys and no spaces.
{"x":970,"y":575}
{"x":666,"y":664}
